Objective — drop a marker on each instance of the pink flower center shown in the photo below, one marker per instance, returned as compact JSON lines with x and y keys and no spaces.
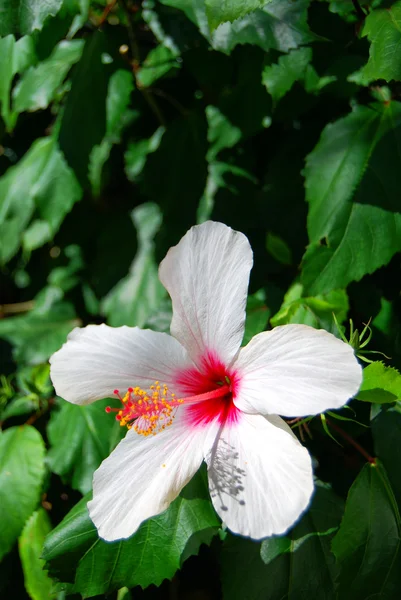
{"x":208,"y":396}
{"x":217,"y":386}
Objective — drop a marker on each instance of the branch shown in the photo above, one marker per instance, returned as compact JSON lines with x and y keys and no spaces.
{"x":351,"y":441}
{"x":359,"y":10}
{"x":18,"y":307}
{"x":106,"y":12}
{"x":133,"y":42}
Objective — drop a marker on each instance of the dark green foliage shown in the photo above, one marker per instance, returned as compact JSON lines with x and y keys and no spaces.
{"x":155,"y":552}
{"x":299,"y":565}
{"x":122,"y":124}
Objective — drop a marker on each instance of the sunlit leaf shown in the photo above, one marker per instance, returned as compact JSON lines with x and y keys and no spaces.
{"x":280,"y":25}
{"x":37,"y":87}
{"x":380,"y":384}
{"x":383,"y":29}
{"x":118,"y":116}
{"x":316,"y":311}
{"x":257,"y":314}
{"x":159,"y":62}
{"x":22,"y":16}
{"x":221,"y":133}
{"x":37,"y":583}
{"x":343,"y":246}
{"x":15,"y":57}
{"x":279,"y":78}
{"x":22,"y":470}
{"x":229,"y":10}
{"x":137,"y":153}
{"x":43,"y":183}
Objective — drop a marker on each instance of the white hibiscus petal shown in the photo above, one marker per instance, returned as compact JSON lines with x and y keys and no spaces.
{"x":98,"y":359}
{"x":260,"y":476}
{"x":143,"y":476}
{"x":207,"y":277}
{"x":294,"y":371}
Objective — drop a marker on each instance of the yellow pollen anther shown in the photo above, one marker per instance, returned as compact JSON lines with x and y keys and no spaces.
{"x":151,"y":411}
{"x":147,"y":411}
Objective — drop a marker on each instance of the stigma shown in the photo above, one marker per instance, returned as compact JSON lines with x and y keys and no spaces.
{"x":150,"y":411}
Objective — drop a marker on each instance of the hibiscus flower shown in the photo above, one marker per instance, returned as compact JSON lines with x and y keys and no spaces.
{"x":196,"y":395}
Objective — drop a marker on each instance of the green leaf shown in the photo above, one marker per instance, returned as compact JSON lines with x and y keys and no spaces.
{"x":221,"y":132}
{"x":363,"y":144}
{"x":295,"y":66}
{"x":136,"y":297}
{"x":121,"y":86}
{"x":37,"y":583}
{"x":280,"y":25}
{"x":68,"y":276}
{"x":18,"y":407}
{"x":161,"y":319}
{"x":220,"y":11}
{"x":33,"y":388}
{"x":316,"y":311}
{"x":82,"y":8}
{"x":41,"y":180}
{"x":22,"y":470}
{"x":280,"y":78}
{"x":367,"y":545}
{"x":278,"y":248}
{"x":21,"y":17}
{"x":153,"y":17}
{"x":216,"y":180}
{"x":15,"y":57}
{"x":257,"y":315}
{"x":68,"y":542}
{"x":345,"y":9}
{"x":40,"y":332}
{"x":330,"y":184}
{"x":137,"y":153}
{"x":80,"y":437}
{"x":383,"y":29}
{"x":35,"y":380}
{"x":299,"y":565}
{"x":55,"y":191}
{"x":386,"y":431}
{"x":195,"y":10}
{"x":83,"y":123}
{"x":159,"y":62}
{"x":380,"y":384}
{"x":38,"y":86}
{"x":153,"y":554}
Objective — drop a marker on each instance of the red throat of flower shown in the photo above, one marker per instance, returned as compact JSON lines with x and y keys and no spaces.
{"x":208,"y":396}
